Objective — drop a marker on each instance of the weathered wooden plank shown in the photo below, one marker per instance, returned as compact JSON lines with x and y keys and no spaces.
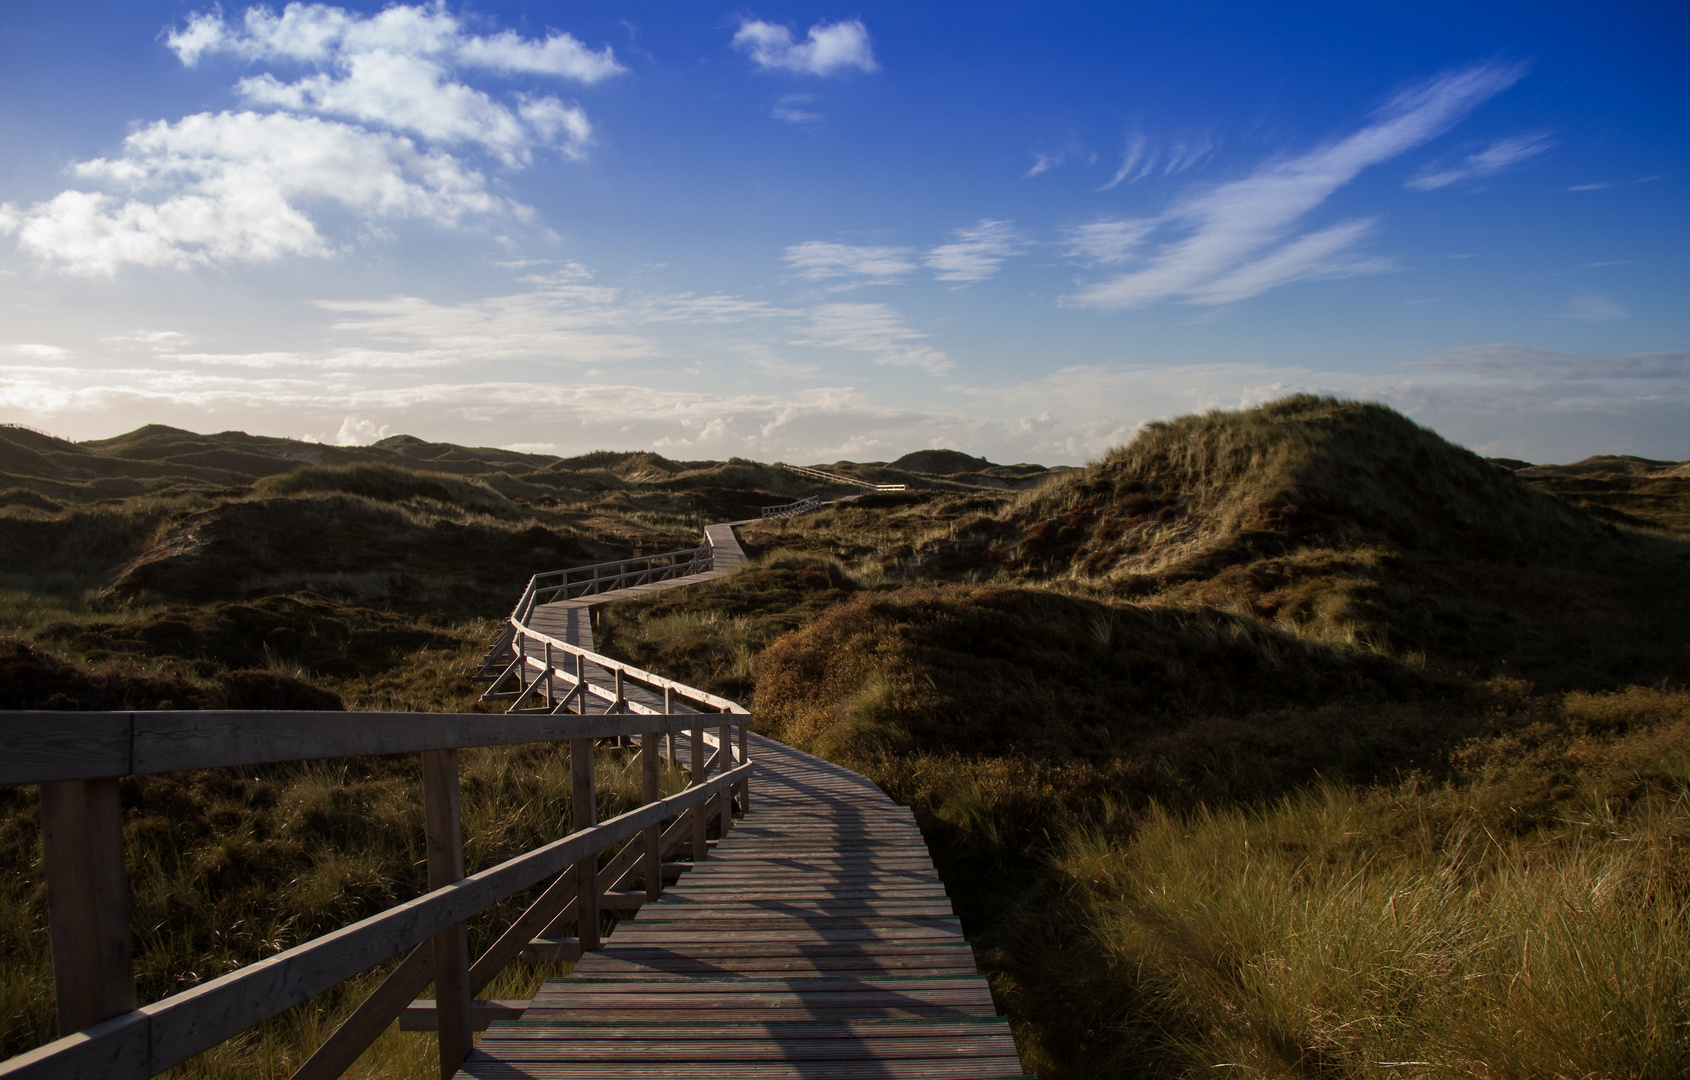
{"x":41,"y":746}
{"x":87,"y":901}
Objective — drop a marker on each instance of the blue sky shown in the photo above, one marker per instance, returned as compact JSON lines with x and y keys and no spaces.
{"x":813,"y":232}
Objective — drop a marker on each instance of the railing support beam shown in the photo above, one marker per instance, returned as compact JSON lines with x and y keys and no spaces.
{"x":87,"y":901}
{"x":443,"y":820}
{"x":584,"y":806}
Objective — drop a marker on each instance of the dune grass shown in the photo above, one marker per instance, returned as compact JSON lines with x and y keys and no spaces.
{"x":1416,"y":928}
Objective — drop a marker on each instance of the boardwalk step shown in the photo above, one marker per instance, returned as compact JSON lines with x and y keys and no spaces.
{"x":544,"y":950}
{"x":419,"y":1015}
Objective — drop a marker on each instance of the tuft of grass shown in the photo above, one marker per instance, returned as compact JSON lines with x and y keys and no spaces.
{"x":1410,"y":928}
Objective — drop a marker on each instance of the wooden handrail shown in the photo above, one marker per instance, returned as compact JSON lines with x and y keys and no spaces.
{"x":40,"y":747}
{"x":818,"y":474}
{"x":793,"y":509}
{"x":151,"y":1039}
{"x":77,"y":757}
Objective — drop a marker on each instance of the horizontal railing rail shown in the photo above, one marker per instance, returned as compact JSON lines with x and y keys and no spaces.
{"x":77,"y":758}
{"x":817,"y":474}
{"x":578,"y":581}
{"x":794,"y":509}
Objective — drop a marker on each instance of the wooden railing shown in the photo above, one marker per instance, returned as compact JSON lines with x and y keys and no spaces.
{"x":77,"y":758}
{"x":817,"y":474}
{"x":578,"y":581}
{"x":794,"y":509}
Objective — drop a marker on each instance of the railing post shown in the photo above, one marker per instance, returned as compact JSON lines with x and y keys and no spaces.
{"x":649,"y":743}
{"x":581,"y":684}
{"x":700,"y":848}
{"x":87,"y":901}
{"x":522,"y":661}
{"x":548,"y":677}
{"x":584,"y":805}
{"x":726,"y":735}
{"x":671,"y":737}
{"x":445,"y":840}
{"x":744,"y":756}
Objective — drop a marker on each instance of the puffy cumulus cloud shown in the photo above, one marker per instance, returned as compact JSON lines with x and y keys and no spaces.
{"x":1500,"y":155}
{"x":976,"y":253}
{"x":1241,"y":238}
{"x":239,"y":184}
{"x":828,"y":49}
{"x":319,"y":33}
{"x":243,"y":186}
{"x":819,"y":260}
{"x":396,"y":69}
{"x":875,"y":329}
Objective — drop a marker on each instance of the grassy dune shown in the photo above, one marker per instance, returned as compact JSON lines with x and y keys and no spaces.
{"x":1294,"y":740}
{"x":1280,"y":740}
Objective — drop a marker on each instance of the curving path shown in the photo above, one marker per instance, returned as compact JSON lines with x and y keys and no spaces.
{"x":815,"y":941}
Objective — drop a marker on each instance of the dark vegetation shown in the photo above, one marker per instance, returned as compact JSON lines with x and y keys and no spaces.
{"x":1294,"y":738}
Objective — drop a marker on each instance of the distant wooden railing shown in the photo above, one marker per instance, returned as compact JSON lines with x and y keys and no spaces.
{"x":578,"y":581}
{"x":817,"y":474}
{"x":794,"y":509}
{"x":77,"y":758}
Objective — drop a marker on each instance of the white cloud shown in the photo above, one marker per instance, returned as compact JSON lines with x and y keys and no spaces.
{"x":244,"y":186}
{"x":1239,"y":238}
{"x":1043,"y":163}
{"x":318,"y":33}
{"x":976,"y":253}
{"x":875,"y":329}
{"x":1500,"y":155}
{"x":356,"y":432}
{"x":395,"y":70}
{"x":1507,"y":360}
{"x":41,"y":352}
{"x":819,"y":260}
{"x":790,"y":108}
{"x":1139,"y":159}
{"x":1594,"y":308}
{"x":1109,"y":241}
{"x":239,"y":184}
{"x":828,"y":49}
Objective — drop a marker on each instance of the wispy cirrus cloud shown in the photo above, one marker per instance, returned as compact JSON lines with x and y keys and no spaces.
{"x":1497,"y":157}
{"x":856,"y":264}
{"x":1106,"y":242}
{"x":875,"y":329}
{"x":1594,"y":307}
{"x":1508,"y":359}
{"x":1139,"y":159}
{"x":1241,"y":237}
{"x":828,"y":49}
{"x":976,"y":253}
{"x":794,"y":109}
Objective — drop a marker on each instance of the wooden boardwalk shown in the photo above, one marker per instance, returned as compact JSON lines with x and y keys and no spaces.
{"x":815,"y":941}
